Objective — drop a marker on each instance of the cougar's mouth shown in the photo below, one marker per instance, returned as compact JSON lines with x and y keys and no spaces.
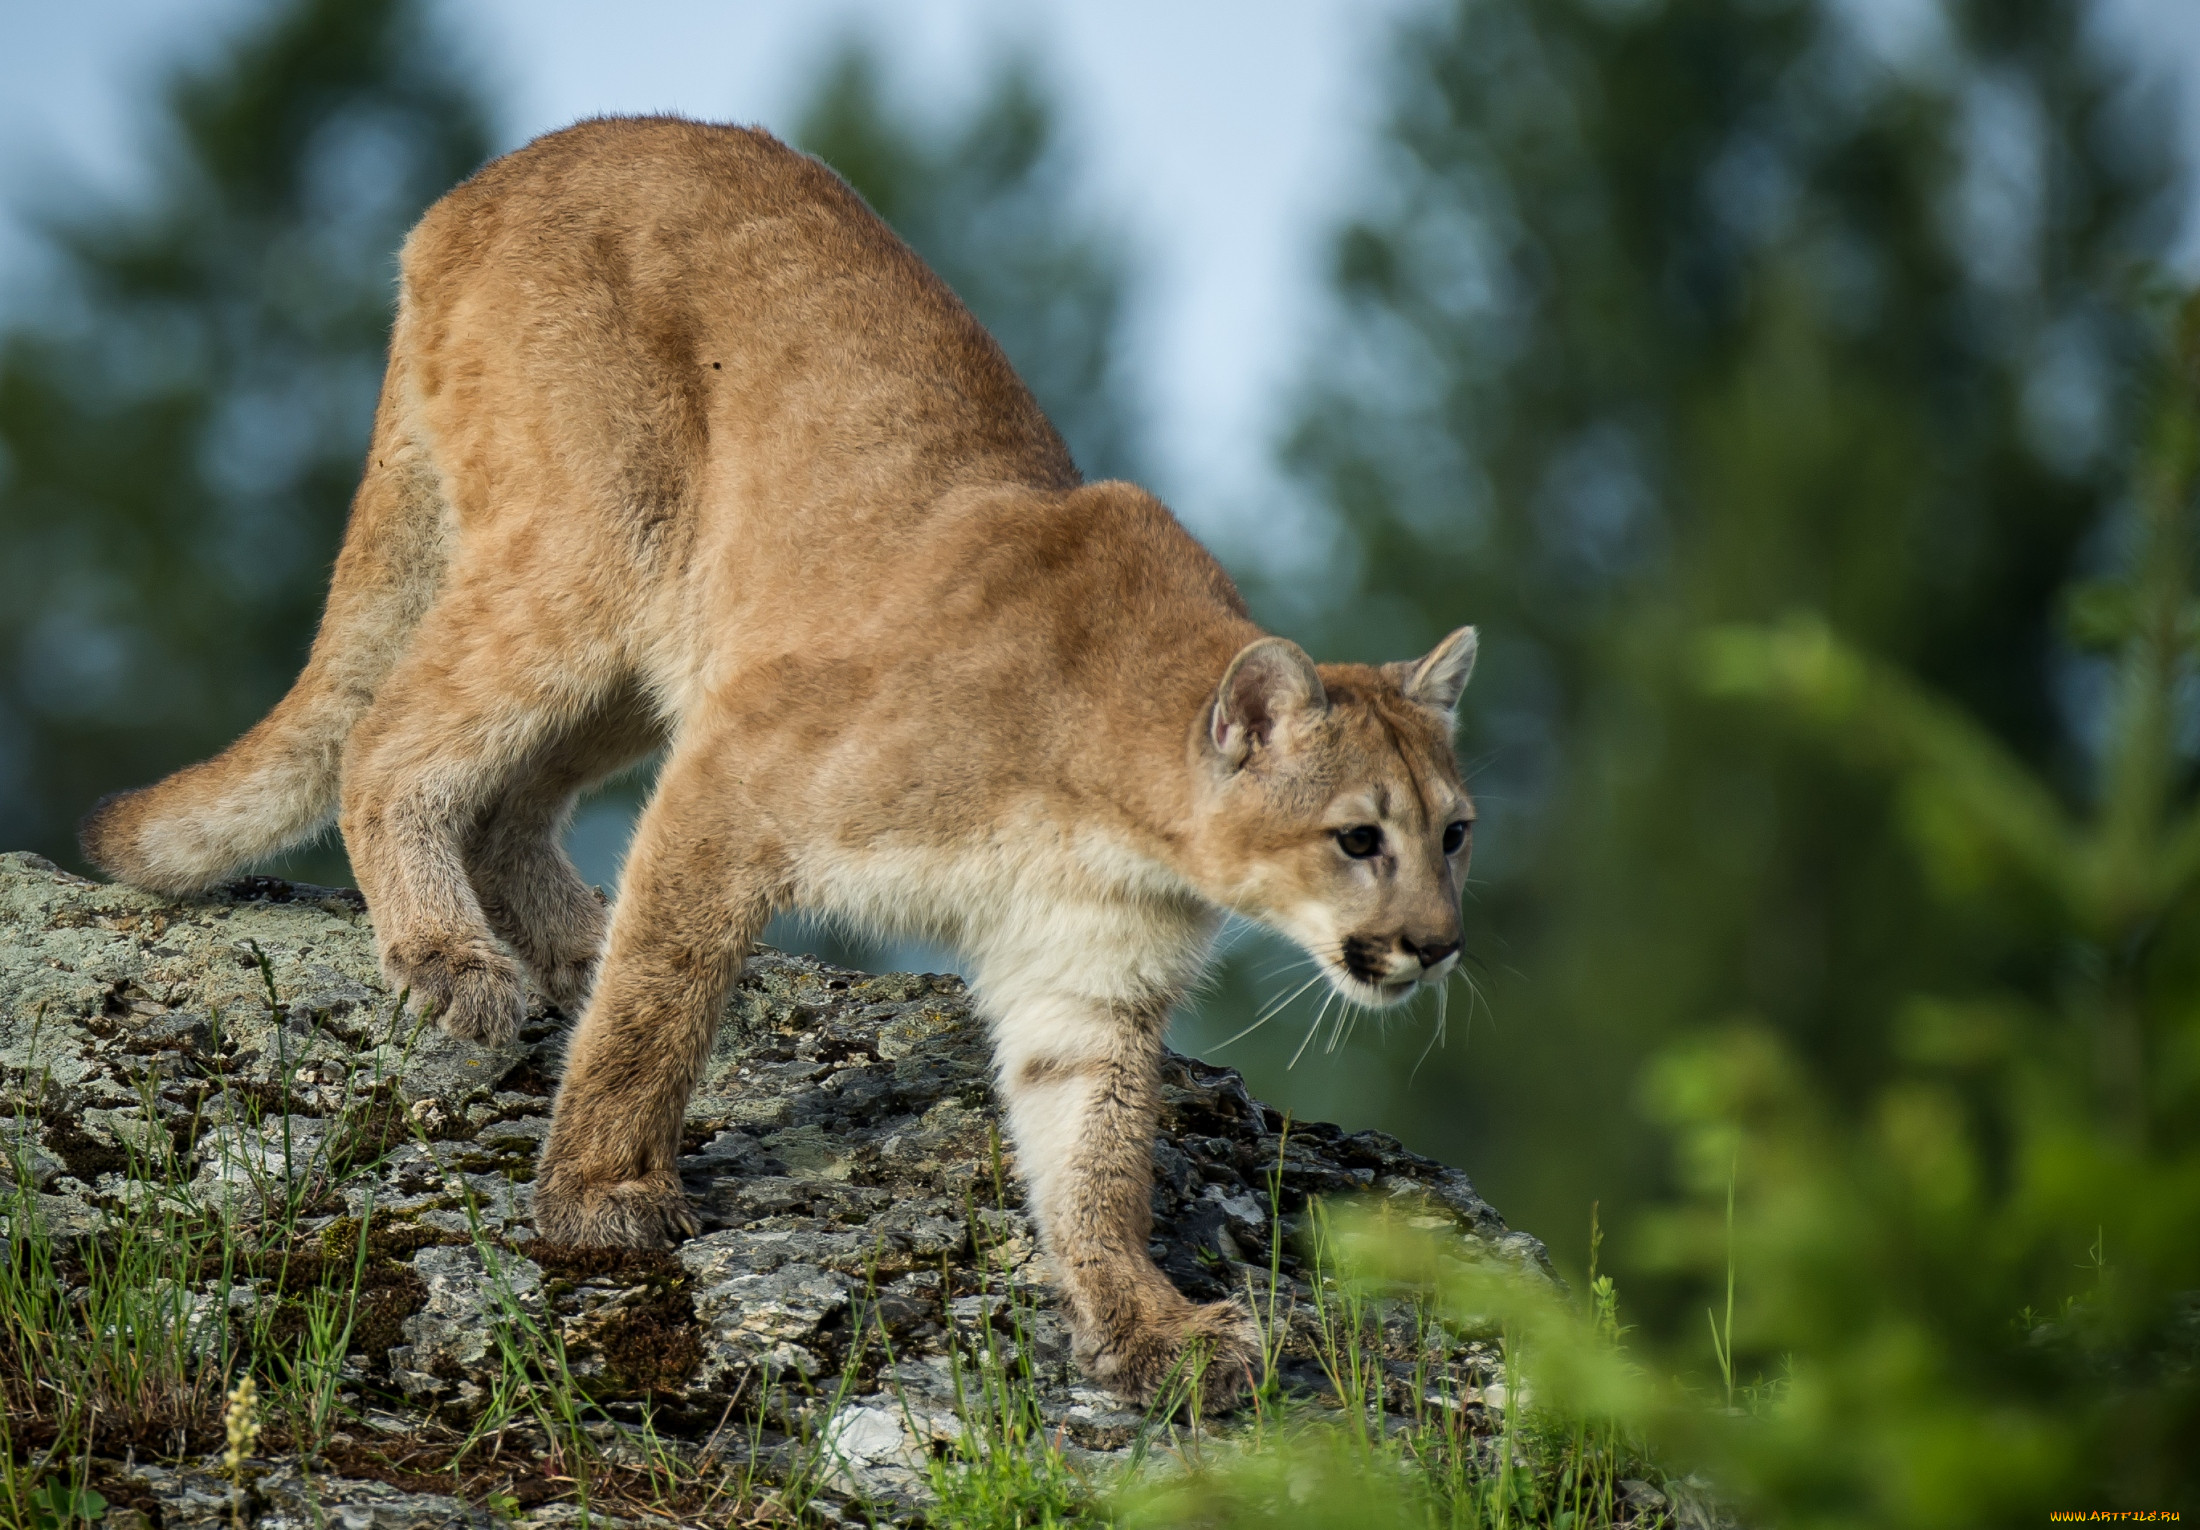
{"x":1395,"y":990}
{"x":1373,"y":990}
{"x":1367,"y":976}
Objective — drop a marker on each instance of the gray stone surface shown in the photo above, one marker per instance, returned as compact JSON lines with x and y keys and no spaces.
{"x":864,"y":1237}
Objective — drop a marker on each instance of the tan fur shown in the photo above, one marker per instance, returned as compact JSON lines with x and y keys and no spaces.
{"x":680,"y":446}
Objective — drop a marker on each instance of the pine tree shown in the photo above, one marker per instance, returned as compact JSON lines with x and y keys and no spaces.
{"x":181,"y":433}
{"x":1978,"y":1272}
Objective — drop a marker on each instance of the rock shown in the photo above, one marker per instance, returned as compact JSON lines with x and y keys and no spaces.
{"x":474,"y":1295}
{"x":864,"y":1240}
{"x":27,"y":1163}
{"x":198,"y":1497}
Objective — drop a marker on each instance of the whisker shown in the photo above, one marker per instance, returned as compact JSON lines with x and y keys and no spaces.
{"x":1271,"y":1011}
{"x":1475,"y":998}
{"x":1348,"y":1016}
{"x":1436,"y":1036}
{"x":1235,"y":932}
{"x":1312,"y":1030}
{"x":1283,"y":1003}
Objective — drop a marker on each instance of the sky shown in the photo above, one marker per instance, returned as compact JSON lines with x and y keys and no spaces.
{"x":1221,"y":136}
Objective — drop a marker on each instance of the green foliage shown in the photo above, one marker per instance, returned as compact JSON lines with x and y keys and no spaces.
{"x":1781,"y":412}
{"x":181,"y":428}
{"x":1006,"y":1471}
{"x":1550,"y":1439}
{"x":140,"y":1355}
{"x":1677,"y":314}
{"x":60,"y":1506}
{"x":1985,"y":1271}
{"x":1977,"y":1283}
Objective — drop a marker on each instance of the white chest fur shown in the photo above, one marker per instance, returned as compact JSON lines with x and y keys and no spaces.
{"x":1036,"y":908}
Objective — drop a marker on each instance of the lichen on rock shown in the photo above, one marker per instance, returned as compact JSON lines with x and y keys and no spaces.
{"x":863,"y":1226}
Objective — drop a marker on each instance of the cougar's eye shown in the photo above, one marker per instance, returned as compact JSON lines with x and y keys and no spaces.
{"x":1360,"y":841}
{"x":1455,"y":835}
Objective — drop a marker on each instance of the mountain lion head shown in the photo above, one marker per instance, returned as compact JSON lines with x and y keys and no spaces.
{"x":1331,"y":809}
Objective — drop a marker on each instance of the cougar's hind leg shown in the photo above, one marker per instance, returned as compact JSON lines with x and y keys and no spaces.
{"x":479,"y":695}
{"x":697,"y":889}
{"x":530,"y":894}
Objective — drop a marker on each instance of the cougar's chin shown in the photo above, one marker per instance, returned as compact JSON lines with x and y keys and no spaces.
{"x":1381,"y":994}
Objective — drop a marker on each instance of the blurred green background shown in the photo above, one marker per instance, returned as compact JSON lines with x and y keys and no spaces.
{"x":1800,"y":423}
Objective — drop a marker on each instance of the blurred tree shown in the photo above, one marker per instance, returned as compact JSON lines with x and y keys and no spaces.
{"x":1983,"y":1276}
{"x":1675,"y":312}
{"x":181,"y":432}
{"x":988,"y":202}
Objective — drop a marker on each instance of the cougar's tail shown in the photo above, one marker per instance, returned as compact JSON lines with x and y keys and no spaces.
{"x":277,"y":785}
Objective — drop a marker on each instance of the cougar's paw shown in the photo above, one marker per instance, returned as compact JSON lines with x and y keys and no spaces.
{"x":474,"y":992}
{"x":566,"y":982}
{"x":634,"y":1213}
{"x":559,"y":945}
{"x":1214,"y":1350}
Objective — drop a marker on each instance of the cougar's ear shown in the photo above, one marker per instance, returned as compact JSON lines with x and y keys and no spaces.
{"x":1270,"y":682}
{"x":1436,"y":680}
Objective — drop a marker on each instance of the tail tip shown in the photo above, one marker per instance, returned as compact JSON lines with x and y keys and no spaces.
{"x":113,"y":838}
{"x":103,"y":833}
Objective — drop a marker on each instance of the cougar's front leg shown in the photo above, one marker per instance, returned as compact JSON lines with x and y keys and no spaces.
{"x":1082,"y":1090}
{"x":691,"y":903}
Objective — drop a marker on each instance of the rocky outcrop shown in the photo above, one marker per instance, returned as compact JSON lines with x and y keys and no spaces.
{"x":864,"y":1240}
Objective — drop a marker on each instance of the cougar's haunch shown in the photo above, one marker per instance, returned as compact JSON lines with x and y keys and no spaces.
{"x":679,"y":447}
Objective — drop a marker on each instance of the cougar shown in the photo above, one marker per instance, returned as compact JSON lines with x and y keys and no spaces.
{"x":680,"y":448}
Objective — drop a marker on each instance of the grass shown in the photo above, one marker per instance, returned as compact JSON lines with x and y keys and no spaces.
{"x":192,"y":1320}
{"x":1436,"y":1451}
{"x":187,"y":1321}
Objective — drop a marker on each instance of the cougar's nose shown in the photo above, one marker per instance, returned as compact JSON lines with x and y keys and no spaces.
{"x":1430,"y":952}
